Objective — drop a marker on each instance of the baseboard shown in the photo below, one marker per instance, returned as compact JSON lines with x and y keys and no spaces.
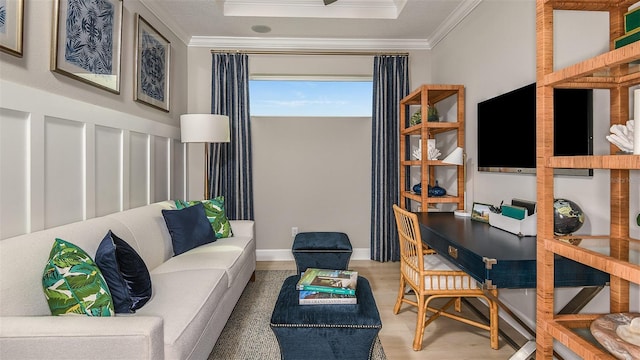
{"x":286,"y":255}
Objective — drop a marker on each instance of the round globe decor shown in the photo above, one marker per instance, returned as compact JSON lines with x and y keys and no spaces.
{"x":567,"y":217}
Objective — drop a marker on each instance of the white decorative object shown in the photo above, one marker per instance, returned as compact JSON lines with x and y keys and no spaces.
{"x":630,"y":333}
{"x":456,"y":157}
{"x":432,"y":152}
{"x":636,"y":116}
{"x":417,"y":153}
{"x":619,"y":334}
{"x":623,"y":136}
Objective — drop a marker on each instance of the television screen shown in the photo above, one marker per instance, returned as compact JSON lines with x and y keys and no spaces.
{"x":507,"y":129}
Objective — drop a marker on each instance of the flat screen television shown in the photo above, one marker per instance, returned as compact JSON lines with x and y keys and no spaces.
{"x":507,"y":130}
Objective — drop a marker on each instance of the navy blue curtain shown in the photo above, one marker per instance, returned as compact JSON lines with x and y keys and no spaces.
{"x":230,"y":163}
{"x":390,"y":85}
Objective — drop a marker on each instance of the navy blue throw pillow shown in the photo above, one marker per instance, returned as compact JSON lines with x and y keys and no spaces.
{"x":188,"y":227}
{"x":125,"y":273}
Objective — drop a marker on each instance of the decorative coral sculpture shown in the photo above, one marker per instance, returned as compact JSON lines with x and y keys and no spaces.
{"x":622,"y":136}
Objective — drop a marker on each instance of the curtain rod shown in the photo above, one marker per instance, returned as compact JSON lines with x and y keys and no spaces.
{"x":309,"y":52}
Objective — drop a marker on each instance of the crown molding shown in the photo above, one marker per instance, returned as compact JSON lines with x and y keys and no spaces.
{"x":167,"y":20}
{"x":260,"y":43}
{"x":267,"y":43}
{"x":456,"y":17}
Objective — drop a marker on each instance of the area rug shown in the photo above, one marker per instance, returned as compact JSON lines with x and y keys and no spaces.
{"x":247,"y":335}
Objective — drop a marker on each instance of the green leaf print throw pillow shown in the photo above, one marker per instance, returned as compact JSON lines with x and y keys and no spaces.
{"x":214,"y":209}
{"x":73,"y":283}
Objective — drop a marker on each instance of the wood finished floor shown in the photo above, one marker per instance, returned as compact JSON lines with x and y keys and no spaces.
{"x":444,"y":338}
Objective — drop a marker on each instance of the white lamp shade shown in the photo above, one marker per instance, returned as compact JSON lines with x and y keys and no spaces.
{"x":204,"y":128}
{"x":456,"y":157}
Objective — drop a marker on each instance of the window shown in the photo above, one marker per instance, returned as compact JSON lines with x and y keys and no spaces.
{"x":311,"y":97}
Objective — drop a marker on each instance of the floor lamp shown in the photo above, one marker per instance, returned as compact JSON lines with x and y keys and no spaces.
{"x":458,"y":157}
{"x":204,"y":128}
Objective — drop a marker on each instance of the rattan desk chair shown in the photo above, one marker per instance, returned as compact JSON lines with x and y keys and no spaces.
{"x":431,"y":276}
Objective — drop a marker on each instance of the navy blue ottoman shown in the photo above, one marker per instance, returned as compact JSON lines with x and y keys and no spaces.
{"x":333,"y":331}
{"x":322,"y":250}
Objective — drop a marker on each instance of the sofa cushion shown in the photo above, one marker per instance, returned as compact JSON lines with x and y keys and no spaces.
{"x":125,"y":272}
{"x":189,"y":228}
{"x":73,"y":283}
{"x":214,"y":208}
{"x":229,"y":255}
{"x":185,"y":300}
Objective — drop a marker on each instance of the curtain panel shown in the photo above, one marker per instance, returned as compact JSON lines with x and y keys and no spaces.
{"x":231,"y":163}
{"x":390,"y":85}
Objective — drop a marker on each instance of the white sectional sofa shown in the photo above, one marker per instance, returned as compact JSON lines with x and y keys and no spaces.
{"x":193,"y":293}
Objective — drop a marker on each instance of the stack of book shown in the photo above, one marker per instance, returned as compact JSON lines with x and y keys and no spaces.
{"x":326,"y":286}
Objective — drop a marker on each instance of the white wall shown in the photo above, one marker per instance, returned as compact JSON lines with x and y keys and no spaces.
{"x":310,"y":173}
{"x":71,"y":151}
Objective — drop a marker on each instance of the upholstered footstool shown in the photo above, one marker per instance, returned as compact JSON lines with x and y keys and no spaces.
{"x":331,"y":331}
{"x":323,"y":250}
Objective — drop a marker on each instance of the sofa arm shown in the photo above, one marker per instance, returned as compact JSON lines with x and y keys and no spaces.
{"x":245,"y":228}
{"x":81,"y":337}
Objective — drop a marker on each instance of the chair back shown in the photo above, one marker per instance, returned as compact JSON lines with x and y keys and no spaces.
{"x":411,"y":247}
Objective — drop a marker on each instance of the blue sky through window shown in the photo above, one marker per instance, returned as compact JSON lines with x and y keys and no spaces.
{"x":310,"y":98}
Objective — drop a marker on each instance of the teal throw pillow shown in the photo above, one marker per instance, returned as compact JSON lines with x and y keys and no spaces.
{"x":73,"y":283}
{"x":214,"y":209}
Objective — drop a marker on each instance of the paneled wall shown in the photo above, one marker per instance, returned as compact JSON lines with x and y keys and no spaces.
{"x":63,"y":160}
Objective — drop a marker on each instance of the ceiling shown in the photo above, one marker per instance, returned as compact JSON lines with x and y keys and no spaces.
{"x":311,"y":25}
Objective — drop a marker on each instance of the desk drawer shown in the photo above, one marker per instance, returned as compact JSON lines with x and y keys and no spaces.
{"x":510,"y":273}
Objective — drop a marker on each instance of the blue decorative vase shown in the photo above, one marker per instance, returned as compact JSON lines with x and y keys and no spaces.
{"x":436,"y":190}
{"x":417,"y":188}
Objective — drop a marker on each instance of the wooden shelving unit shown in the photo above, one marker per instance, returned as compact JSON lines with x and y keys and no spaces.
{"x":616,"y":71}
{"x":424,"y":96}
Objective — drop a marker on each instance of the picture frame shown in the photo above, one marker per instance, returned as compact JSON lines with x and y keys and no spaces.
{"x":87,"y":41}
{"x":11,"y":26}
{"x":152,"y":60}
{"x":480,"y":212}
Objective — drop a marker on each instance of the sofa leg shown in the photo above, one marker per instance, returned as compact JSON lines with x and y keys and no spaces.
{"x":253,"y":276}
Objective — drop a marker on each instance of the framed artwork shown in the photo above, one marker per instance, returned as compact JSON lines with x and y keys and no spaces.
{"x":88,"y":40}
{"x":11,"y":26}
{"x":480,"y":212}
{"x":152,"y":66}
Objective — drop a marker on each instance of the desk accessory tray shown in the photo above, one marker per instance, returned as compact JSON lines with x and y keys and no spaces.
{"x":524,"y":227}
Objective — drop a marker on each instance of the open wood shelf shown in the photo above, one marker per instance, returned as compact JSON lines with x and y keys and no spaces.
{"x":630,"y":162}
{"x":615,"y":253}
{"x":616,"y":267}
{"x":425,"y":96}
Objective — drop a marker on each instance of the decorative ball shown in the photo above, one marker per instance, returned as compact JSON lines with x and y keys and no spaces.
{"x":567,"y":217}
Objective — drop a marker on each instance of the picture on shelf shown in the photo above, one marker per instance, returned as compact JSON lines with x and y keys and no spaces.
{"x":480,"y":212}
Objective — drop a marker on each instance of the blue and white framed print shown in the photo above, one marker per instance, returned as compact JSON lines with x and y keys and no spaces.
{"x":152,"y":66}
{"x":87,"y":41}
{"x":11,"y":26}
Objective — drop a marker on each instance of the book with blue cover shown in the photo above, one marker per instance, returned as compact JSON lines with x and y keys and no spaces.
{"x":329,"y":281}
{"x":319,"y":298}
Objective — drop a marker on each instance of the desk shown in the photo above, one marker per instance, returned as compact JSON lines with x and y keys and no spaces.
{"x":497,"y":258}
{"x":500,"y":259}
